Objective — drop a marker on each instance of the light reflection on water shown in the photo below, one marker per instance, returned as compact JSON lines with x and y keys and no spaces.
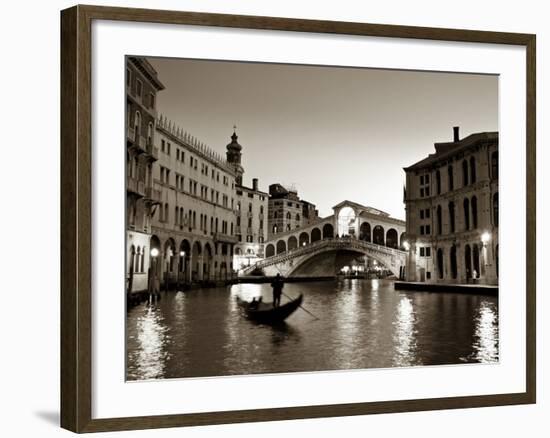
{"x":362,"y":324}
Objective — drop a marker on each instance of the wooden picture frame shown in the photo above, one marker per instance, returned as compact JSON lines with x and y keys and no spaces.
{"x":76,"y":217}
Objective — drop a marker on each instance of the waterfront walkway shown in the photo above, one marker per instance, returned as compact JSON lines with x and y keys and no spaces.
{"x":485,"y":289}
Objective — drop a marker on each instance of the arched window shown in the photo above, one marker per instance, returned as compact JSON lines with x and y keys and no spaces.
{"x":438,"y":182}
{"x":137,"y":125}
{"x":142,"y":261}
{"x":364,"y":232}
{"x":297,"y":217}
{"x":288,"y":215}
{"x":474,"y":212}
{"x":439,"y":220}
{"x":453,"y":262}
{"x":494,"y":165}
{"x":468,"y":261}
{"x":274,"y":215}
{"x":261,"y":209}
{"x":452,"y":216}
{"x":269,"y":250}
{"x":378,"y":235}
{"x":131,"y":261}
{"x":466,"y":213}
{"x":440,"y":263}
{"x":281,"y":246}
{"x":472,"y":170}
{"x":274,"y":229}
{"x":464,"y":173}
{"x":476,"y":272}
{"x":450,"y":177}
{"x":150,"y":134}
{"x":137,"y":259}
{"x":495,"y":209}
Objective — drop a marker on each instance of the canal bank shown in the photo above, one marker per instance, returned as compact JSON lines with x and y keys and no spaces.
{"x":484,"y":289}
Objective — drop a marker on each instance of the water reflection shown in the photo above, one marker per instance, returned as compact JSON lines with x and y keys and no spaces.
{"x":486,"y":334}
{"x":149,"y":356}
{"x":404,"y":333}
{"x":362,"y":324}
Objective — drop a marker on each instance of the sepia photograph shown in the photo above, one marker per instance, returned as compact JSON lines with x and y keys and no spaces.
{"x":286,"y":218}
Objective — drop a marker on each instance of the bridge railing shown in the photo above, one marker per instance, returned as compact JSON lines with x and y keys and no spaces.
{"x":340,"y":242}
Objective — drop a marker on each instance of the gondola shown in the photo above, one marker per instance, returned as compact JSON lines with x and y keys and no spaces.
{"x":265,"y":313}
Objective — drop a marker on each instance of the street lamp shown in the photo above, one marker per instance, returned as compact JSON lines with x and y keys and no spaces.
{"x":153,"y":283}
{"x":485,"y":238}
{"x":406,"y":245}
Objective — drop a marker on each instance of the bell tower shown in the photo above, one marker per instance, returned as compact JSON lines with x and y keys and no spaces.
{"x":233,"y":155}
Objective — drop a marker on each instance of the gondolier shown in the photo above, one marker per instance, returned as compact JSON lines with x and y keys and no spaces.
{"x":277,"y":286}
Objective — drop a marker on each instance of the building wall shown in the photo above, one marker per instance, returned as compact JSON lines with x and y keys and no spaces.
{"x":141,"y":154}
{"x":251,"y":225}
{"x":428,"y":239}
{"x":194,"y":219}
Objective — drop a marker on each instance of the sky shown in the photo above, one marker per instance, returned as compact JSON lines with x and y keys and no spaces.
{"x":335,"y":133}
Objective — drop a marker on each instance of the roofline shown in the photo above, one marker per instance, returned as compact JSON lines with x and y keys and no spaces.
{"x":466,"y":142}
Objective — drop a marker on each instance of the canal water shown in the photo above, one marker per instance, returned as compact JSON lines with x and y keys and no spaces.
{"x":362,"y":324}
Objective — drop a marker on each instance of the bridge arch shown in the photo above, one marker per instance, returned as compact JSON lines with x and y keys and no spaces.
{"x":303,"y":239}
{"x":391,"y":238}
{"x":281,"y":246}
{"x":328,"y":231}
{"x":388,"y":258}
{"x":269,"y":250}
{"x":365,"y":232}
{"x":292,"y":243}
{"x":378,"y":235}
{"x":315,"y":234}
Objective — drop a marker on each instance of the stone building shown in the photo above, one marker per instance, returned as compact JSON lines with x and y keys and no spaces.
{"x":142,"y":85}
{"x":451,"y":200}
{"x":287,"y":211}
{"x":250,"y":211}
{"x":193,"y":225}
{"x":251,"y":224}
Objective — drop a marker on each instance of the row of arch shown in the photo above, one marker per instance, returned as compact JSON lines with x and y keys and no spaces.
{"x":379,"y":236}
{"x":193,"y":261}
{"x":470,"y":211}
{"x":469,"y":173}
{"x":472,"y":265}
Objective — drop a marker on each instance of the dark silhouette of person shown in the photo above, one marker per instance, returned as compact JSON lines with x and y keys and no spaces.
{"x":277,"y":286}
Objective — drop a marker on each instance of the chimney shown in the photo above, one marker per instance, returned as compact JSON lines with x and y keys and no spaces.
{"x":255,"y":184}
{"x":456,"y":135}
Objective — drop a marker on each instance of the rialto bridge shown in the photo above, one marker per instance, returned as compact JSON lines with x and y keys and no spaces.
{"x":352,"y":230}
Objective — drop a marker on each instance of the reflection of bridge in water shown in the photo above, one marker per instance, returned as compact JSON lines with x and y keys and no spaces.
{"x":317,"y":249}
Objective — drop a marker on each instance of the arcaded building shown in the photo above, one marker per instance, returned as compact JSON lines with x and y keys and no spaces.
{"x":193,"y":225}
{"x":452,"y":219}
{"x":142,"y":85}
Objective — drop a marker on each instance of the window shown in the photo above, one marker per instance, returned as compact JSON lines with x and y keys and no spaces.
{"x":422,"y":253}
{"x":139,"y":88}
{"x":297,"y":217}
{"x":162,"y":145}
{"x":128,"y":77}
{"x":250,"y":207}
{"x":474,"y":212}
{"x":428,"y":251}
{"x":464,"y":173}
{"x":438,"y":182}
{"x":421,"y":230}
{"x":450,"y":176}
{"x":452,"y":216}
{"x":422,"y":214}
{"x":472,"y":170}
{"x":439,"y":220}
{"x":428,"y":229}
{"x":494,"y":165}
{"x":288,"y":215}
{"x":466,"y":213}
{"x":151,"y":100}
{"x":495,"y":209}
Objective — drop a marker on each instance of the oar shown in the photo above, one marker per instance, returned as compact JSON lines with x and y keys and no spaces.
{"x":302,"y":307}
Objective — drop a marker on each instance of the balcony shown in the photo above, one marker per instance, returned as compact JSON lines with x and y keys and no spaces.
{"x":152,"y":195}
{"x":152,"y":151}
{"x":225,"y":238}
{"x":136,"y":186}
{"x":136,"y":141}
